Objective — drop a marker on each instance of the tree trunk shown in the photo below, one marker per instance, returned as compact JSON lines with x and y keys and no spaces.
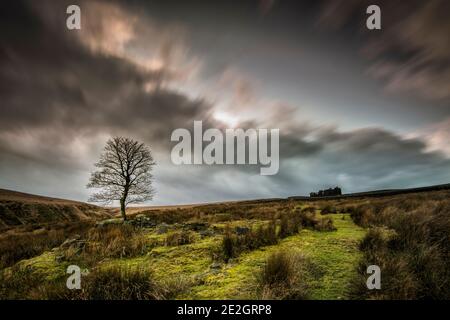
{"x":124,"y":197}
{"x":122,"y":209}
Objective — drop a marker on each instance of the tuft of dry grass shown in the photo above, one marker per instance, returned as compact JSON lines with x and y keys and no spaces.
{"x":232,"y":245}
{"x":110,"y":283}
{"x":284,"y":277}
{"x":24,"y":245}
{"x":108,"y":241}
{"x":324,"y":224}
{"x":179,"y":238}
{"x":408,"y":239}
{"x":328,"y":209}
{"x":290,"y":223}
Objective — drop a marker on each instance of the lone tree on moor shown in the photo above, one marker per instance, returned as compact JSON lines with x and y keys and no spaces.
{"x":124,"y":173}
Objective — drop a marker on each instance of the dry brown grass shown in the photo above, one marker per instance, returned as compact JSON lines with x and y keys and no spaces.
{"x":111,"y":283}
{"x":18,"y":246}
{"x":285,"y":276}
{"x":409,"y":240}
{"x":288,"y":224}
{"x":179,"y":238}
{"x":408,"y":237}
{"x":109,"y":241}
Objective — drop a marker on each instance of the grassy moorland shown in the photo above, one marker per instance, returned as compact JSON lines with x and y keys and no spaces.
{"x":255,"y":250}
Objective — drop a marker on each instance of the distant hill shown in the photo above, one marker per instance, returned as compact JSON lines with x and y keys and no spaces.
{"x":18,"y":208}
{"x":378,"y":193}
{"x":375,"y":193}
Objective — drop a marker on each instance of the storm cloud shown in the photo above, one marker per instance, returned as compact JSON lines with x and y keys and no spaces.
{"x":411,"y":54}
{"x":133,"y":71}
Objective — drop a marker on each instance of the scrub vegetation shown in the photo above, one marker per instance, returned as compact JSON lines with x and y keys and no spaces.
{"x":283,"y":249}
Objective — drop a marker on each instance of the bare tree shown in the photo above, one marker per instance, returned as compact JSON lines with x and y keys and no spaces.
{"x":124,"y":173}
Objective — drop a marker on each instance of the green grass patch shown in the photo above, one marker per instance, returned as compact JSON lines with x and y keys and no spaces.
{"x":334,"y":253}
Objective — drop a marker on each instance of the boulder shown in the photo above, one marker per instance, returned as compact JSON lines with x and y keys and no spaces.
{"x":142,"y":221}
{"x":162,"y":228}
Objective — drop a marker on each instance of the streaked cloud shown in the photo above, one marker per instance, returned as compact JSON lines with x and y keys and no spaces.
{"x":131,"y":72}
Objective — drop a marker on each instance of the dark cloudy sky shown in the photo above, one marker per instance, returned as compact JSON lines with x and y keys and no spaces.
{"x":356,"y":108}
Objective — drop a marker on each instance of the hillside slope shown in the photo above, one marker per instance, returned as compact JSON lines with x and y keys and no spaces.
{"x":17,"y":208}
